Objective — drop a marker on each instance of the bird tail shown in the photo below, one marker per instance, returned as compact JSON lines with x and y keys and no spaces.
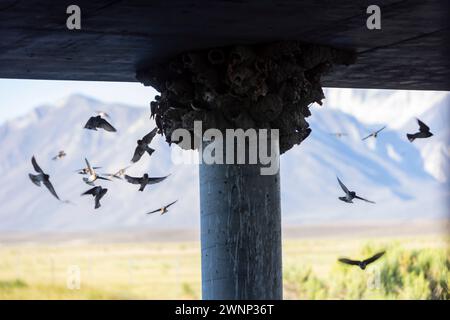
{"x":411,"y":137}
{"x":34,"y":178}
{"x":149,"y":150}
{"x":345,"y":199}
{"x":97,"y":204}
{"x":142,"y":187}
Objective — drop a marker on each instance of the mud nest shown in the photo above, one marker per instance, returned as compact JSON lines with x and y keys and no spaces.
{"x":268,"y":86}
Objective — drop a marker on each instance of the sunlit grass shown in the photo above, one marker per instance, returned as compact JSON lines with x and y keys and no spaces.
{"x":413,"y":268}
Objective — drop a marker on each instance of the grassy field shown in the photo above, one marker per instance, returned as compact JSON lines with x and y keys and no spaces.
{"x":413,"y":268}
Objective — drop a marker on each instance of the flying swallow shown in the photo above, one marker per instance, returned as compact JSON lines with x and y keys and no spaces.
{"x":92,"y":175}
{"x":163,"y":209}
{"x":374,"y":134}
{"x":142,"y":146}
{"x":144,"y":180}
{"x":61,"y":154}
{"x":98,"y":122}
{"x":41,"y":177}
{"x":97,"y":192}
{"x":86,"y":170}
{"x":350,"y":195}
{"x":362,"y":264}
{"x":119,"y":174}
{"x":424,"y":132}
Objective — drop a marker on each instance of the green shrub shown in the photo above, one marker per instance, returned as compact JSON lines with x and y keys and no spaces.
{"x":400,"y":274}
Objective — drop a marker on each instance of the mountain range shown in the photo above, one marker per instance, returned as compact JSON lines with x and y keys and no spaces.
{"x":406,"y":180}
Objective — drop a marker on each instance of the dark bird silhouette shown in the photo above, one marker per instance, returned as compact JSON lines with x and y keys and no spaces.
{"x":61,"y":154}
{"x":424,"y":132}
{"x":144,"y":180}
{"x":98,"y":122}
{"x":362,"y":264}
{"x":41,"y":177}
{"x":142,"y":146}
{"x":97,"y":192}
{"x":93,"y":176}
{"x":374,"y":134}
{"x":119,"y":174}
{"x":163,"y":209}
{"x":153,"y":108}
{"x":349,"y":195}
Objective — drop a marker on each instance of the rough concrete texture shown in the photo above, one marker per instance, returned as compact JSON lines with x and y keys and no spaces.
{"x":240,"y":232}
{"x":255,"y":86}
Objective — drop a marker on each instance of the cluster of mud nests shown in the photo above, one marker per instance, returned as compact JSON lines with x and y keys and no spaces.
{"x":256,"y":86}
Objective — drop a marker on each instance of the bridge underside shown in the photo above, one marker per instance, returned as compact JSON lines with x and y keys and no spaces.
{"x":118,"y":37}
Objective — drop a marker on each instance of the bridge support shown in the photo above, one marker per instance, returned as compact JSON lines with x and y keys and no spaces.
{"x":240,"y":219}
{"x":266,"y":86}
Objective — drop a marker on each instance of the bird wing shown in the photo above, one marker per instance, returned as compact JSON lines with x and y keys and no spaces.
{"x":36,"y":178}
{"x":102,"y":123}
{"x":149,"y":136}
{"x":103,"y":178}
{"x":90,"y":124}
{"x":422,"y":126}
{"x":133,"y":180}
{"x":358,"y":197}
{"x":157,"y":210}
{"x":380,"y":130}
{"x":101,"y":193}
{"x":99,"y":196}
{"x":138,"y":152}
{"x":343,"y":186}
{"x":49,"y":186}
{"x":171,"y":204}
{"x":36,"y":166}
{"x":121,"y":171}
{"x":349,"y":261}
{"x":375,"y":257}
{"x":156,"y":179}
{"x":92,"y":191}
{"x":91,"y":171}
{"x":367,"y":137}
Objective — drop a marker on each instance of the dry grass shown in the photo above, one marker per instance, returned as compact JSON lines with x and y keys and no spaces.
{"x":164,"y":270}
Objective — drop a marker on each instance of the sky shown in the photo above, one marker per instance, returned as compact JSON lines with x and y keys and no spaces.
{"x":355,"y":111}
{"x":18,"y":96}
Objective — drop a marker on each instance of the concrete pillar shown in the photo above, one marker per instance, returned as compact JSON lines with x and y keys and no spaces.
{"x":260,"y":86}
{"x":240,"y":232}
